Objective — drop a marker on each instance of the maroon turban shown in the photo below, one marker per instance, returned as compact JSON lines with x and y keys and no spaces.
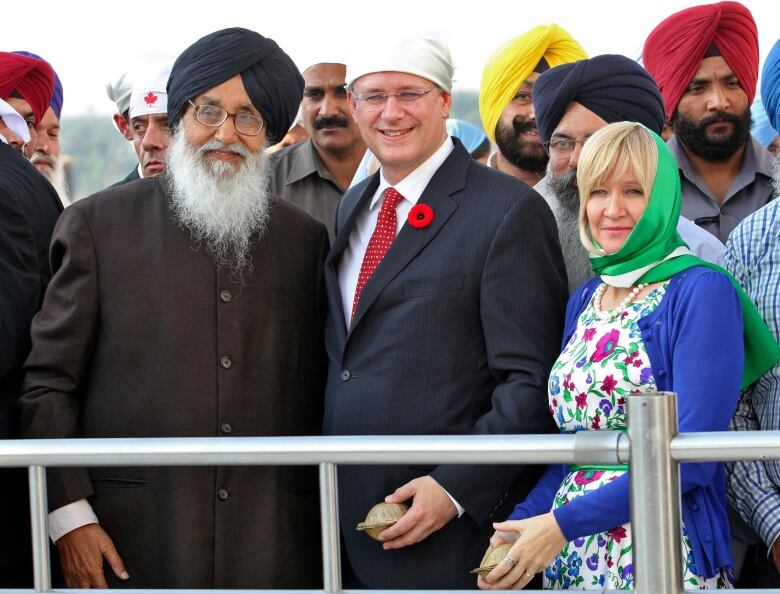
{"x":675,"y":48}
{"x":32,"y":79}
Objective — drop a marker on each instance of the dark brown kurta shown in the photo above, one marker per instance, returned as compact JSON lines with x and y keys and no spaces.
{"x":140,"y":335}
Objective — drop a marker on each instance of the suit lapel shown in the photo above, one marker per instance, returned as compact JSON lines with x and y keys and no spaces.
{"x":352,"y":203}
{"x":447,"y":180}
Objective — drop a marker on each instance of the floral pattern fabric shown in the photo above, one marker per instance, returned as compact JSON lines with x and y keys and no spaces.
{"x":604,"y":361}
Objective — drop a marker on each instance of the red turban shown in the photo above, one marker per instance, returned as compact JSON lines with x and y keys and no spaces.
{"x":32,"y":79}
{"x":675,"y":48}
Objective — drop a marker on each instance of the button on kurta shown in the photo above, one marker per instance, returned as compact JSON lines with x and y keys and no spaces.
{"x":226,"y":296}
{"x":223,"y":494}
{"x":226,"y":362}
{"x":345,"y":375}
{"x":226,"y":428}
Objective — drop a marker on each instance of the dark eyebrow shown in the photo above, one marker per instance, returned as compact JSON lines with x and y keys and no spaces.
{"x":702,"y":80}
{"x":310,"y":88}
{"x":209,"y":100}
{"x":216,"y":102}
{"x":249,"y":107}
{"x":562,"y":136}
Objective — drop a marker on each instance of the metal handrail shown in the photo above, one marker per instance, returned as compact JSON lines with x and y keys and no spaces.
{"x":655,"y":456}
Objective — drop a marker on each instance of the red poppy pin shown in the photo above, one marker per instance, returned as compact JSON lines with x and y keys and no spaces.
{"x":420,"y":216}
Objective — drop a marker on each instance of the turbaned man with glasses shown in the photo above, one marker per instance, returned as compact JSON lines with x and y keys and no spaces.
{"x":572,"y":102}
{"x":185,"y":305}
{"x":446,"y":292}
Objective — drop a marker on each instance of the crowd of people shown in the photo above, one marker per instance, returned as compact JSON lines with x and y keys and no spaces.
{"x":318,"y":249}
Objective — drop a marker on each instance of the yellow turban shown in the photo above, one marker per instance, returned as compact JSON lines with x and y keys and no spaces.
{"x":514,"y":61}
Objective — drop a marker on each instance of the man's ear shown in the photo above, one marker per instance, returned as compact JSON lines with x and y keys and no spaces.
{"x":123,"y":125}
{"x":446,"y":104}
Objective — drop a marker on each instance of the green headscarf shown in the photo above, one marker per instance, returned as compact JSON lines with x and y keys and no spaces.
{"x":655,"y":252}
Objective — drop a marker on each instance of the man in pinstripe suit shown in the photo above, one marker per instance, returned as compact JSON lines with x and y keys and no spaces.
{"x":446,"y":290}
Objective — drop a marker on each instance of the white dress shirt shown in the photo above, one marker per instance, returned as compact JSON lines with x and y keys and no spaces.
{"x":411,"y":188}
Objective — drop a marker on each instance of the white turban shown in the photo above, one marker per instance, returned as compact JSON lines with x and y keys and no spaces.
{"x":422,"y":56}
{"x":149,"y":95}
{"x":14,"y":121}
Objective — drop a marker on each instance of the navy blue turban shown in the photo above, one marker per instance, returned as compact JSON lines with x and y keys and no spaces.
{"x":770,"y":86}
{"x":613,"y":87}
{"x":270,"y":77}
{"x":57,"y":95}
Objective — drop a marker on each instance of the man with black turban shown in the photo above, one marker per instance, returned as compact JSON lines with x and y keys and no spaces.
{"x":705,"y":61}
{"x":572,"y":102}
{"x":188,"y":304}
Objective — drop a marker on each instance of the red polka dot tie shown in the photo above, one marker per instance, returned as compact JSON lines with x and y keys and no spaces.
{"x":381,"y":240}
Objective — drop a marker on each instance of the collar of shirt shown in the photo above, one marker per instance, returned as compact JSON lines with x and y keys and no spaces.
{"x":307,"y":161}
{"x":756,"y":160}
{"x":411,"y":187}
{"x":140,"y":171}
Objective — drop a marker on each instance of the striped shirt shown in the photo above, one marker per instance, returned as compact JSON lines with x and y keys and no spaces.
{"x":753,"y":257}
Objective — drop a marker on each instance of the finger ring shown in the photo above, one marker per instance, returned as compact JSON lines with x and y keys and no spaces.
{"x":509,"y":561}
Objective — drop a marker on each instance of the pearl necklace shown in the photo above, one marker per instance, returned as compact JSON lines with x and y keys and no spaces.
{"x":613,"y":313}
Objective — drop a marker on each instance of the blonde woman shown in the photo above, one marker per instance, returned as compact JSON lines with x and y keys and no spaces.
{"x":655,"y":318}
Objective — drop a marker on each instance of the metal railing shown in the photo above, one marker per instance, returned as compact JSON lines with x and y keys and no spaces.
{"x":652,"y":447}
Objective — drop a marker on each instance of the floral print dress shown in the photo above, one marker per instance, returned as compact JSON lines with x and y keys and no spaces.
{"x":603,"y":362}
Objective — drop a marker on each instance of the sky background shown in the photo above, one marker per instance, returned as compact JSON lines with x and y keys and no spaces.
{"x":89,"y":43}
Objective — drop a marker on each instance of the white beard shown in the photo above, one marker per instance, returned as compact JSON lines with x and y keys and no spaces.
{"x":224,"y":204}
{"x":55,"y":175}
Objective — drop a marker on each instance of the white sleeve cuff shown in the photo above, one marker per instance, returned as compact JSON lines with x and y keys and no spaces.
{"x":457,"y":505}
{"x":69,"y":517}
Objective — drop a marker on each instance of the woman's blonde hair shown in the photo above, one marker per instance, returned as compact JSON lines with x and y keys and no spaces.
{"x":607,"y":155}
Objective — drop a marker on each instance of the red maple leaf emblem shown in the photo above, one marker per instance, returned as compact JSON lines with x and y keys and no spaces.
{"x":150,"y":98}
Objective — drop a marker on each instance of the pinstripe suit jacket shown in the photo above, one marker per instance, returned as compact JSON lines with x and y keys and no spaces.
{"x":455,"y":334}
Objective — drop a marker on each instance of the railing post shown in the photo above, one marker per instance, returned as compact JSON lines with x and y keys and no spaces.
{"x":39,"y":520}
{"x":655,"y":494}
{"x":331,"y":539}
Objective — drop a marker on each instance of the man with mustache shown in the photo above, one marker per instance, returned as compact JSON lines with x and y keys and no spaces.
{"x":572,"y":102}
{"x":315,"y":173}
{"x":179,"y":308}
{"x":506,"y":93}
{"x":705,"y":61}
{"x":46,"y":156}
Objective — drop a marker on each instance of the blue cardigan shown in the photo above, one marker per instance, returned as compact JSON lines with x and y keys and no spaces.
{"x":695,"y":347}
